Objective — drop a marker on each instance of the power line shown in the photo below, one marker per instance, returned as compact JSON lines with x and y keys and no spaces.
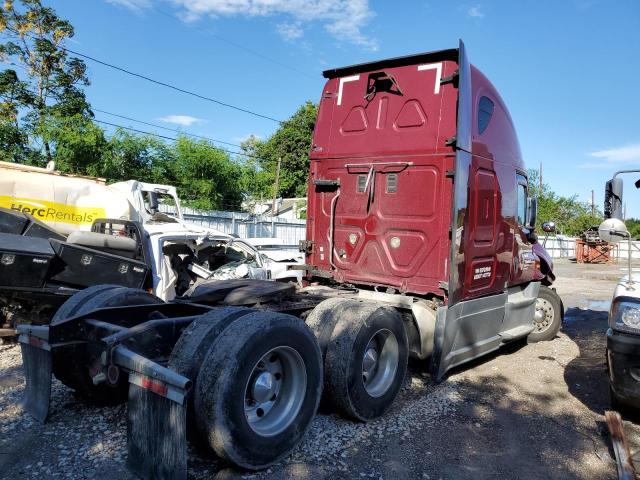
{"x":173,"y":87}
{"x":135,"y":130}
{"x":165,"y":128}
{"x":237,"y":45}
{"x":173,"y":139}
{"x":157,"y":82}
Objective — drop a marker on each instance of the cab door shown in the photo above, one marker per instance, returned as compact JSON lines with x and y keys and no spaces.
{"x":523,"y":263}
{"x":481,"y":230}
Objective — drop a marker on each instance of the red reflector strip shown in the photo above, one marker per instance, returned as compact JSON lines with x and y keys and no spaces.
{"x":154,"y":385}
{"x":35,"y":341}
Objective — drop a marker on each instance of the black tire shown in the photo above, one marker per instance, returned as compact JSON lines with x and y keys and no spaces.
{"x":74,"y":303}
{"x":323,"y":319}
{"x":71,"y":365}
{"x":619,"y":405}
{"x":224,"y":378}
{"x":344,"y":383}
{"x":194,"y":343}
{"x":550,"y":328}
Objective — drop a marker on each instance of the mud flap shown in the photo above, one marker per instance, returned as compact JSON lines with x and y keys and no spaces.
{"x":36,"y":359}
{"x":156,"y":429}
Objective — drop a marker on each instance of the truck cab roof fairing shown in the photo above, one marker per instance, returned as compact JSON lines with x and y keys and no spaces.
{"x":500,"y":140}
{"x":435,"y":56}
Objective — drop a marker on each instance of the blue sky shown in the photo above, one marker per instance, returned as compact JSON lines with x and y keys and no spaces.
{"x":568,"y":70}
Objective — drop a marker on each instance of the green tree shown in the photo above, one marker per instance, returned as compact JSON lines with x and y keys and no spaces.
{"x":80,"y":144}
{"x":128,"y":156}
{"x":36,"y":39}
{"x":207,"y":178}
{"x":14,"y":95}
{"x":571,"y":216}
{"x":291,"y":143}
{"x":633,"y":225}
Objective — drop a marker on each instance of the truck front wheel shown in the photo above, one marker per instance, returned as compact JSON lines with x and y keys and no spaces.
{"x":258,"y":388}
{"x":366,"y":360}
{"x":548,"y":316}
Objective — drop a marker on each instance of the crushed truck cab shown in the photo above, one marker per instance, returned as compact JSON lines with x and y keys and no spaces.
{"x":420,"y":244}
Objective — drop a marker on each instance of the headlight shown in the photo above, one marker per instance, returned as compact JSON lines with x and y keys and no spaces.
{"x":625,"y":316}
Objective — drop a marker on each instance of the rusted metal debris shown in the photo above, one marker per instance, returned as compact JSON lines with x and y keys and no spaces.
{"x":626,"y":470}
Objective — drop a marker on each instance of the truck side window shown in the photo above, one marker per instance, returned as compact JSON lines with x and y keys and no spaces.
{"x":485,"y":112}
{"x":522,"y":199}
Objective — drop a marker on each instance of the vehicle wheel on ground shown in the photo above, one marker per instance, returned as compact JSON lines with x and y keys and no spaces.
{"x":323,"y":319}
{"x":258,"y":388}
{"x":194,"y":343}
{"x":71,"y":365}
{"x":620,"y":406}
{"x":75,"y":302}
{"x":366,"y":359}
{"x":548,"y":316}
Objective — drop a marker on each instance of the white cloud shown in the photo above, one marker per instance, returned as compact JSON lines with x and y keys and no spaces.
{"x":290,"y":31}
{"x":343,"y":19}
{"x":135,"y":5}
{"x":247,"y":137}
{"x":626,"y":154}
{"x":475,"y":12}
{"x":183,"y":120}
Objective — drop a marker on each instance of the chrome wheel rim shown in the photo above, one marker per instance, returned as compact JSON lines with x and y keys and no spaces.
{"x":380,"y":362}
{"x":275,"y":391}
{"x":543,"y":318}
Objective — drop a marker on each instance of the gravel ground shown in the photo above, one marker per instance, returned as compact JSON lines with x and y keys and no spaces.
{"x":528,"y":411}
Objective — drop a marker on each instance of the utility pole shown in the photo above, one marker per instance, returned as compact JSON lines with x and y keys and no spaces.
{"x":540,"y":178}
{"x":593,"y":204}
{"x":275,"y":190}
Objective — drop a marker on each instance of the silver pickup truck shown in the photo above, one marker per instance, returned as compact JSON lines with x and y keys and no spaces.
{"x":623,"y":334}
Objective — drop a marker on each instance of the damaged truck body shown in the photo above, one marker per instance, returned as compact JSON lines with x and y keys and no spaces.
{"x":421,"y":244}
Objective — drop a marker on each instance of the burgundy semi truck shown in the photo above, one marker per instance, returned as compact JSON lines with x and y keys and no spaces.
{"x":420,"y":243}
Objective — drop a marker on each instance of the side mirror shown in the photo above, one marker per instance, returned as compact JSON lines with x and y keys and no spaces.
{"x":613,"y":198}
{"x":532,"y":212}
{"x":549,"y":227}
{"x":613,"y":230}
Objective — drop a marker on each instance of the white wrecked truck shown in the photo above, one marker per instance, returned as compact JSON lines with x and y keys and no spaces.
{"x":55,"y":240}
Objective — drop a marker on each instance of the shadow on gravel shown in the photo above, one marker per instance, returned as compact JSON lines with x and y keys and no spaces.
{"x":586,"y":375}
{"x":504,"y":432}
{"x":11,"y":377}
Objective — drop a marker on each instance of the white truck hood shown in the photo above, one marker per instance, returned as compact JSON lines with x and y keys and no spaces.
{"x":624,"y":289}
{"x":180,"y":228}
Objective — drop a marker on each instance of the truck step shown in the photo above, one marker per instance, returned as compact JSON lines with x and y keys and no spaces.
{"x":518,"y":332}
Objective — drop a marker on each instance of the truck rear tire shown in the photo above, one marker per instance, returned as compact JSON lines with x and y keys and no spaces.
{"x":258,"y":389}
{"x":323,"y":319}
{"x":194,"y":343}
{"x":71,"y":365}
{"x":74,"y":303}
{"x":366,"y":360}
{"x":548,"y":316}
